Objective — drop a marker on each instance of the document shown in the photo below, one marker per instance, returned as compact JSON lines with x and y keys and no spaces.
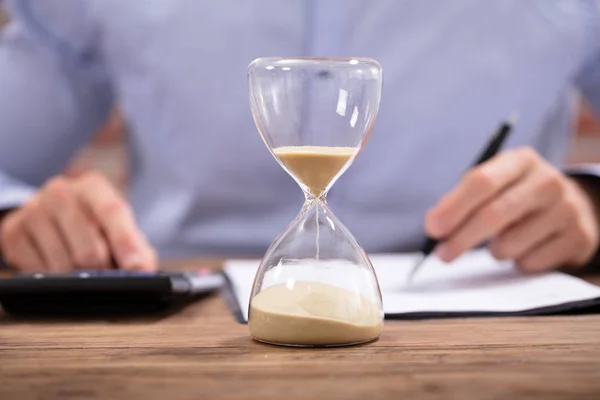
{"x":475,"y":284}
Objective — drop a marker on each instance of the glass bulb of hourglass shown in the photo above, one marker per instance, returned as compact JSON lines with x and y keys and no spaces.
{"x":315,"y":285}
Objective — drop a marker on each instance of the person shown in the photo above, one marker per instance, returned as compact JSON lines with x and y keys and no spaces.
{"x":204,"y":184}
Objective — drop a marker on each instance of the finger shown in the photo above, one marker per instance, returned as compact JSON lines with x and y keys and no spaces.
{"x":140,"y":255}
{"x":478,"y":187}
{"x":46,"y":238}
{"x":86,"y":247}
{"x":149,"y":254}
{"x":523,"y":236}
{"x":536,"y":192}
{"x":115,"y":218}
{"x":17,"y":247}
{"x":552,"y":253}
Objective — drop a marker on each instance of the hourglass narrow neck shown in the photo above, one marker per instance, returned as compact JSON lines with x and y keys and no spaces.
{"x":309,"y":198}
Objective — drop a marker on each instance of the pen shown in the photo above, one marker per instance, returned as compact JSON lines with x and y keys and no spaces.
{"x":491,"y":150}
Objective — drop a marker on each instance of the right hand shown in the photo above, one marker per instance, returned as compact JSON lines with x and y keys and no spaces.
{"x":73,"y":223}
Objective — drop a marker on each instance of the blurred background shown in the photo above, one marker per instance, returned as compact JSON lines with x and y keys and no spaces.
{"x":106,"y":153}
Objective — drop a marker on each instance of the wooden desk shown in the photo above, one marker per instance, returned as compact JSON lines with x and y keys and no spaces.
{"x":202,"y":353}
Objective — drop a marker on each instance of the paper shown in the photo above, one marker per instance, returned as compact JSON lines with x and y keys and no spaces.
{"x":474,"y":284}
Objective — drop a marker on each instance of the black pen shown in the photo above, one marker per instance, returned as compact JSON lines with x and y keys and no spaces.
{"x":490,"y":151}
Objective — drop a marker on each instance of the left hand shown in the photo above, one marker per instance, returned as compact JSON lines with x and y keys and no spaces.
{"x":529,"y":211}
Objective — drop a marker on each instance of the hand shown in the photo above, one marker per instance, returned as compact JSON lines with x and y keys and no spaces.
{"x":74,"y":223}
{"x":528,"y":210}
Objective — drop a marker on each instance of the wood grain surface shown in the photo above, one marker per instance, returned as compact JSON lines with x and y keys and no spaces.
{"x":201,"y":352}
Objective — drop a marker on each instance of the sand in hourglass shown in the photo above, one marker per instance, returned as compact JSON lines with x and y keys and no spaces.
{"x":313,"y":313}
{"x":314,"y":166}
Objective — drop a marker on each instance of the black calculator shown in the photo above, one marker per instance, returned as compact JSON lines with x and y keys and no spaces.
{"x":106,"y":292}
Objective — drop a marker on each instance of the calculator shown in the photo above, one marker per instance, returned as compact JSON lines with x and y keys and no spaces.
{"x":105,"y":292}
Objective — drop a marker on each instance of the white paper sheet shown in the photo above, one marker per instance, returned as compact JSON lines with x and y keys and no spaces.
{"x":475,"y":283}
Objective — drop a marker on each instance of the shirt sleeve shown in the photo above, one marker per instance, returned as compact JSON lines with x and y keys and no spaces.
{"x":591,"y":173}
{"x":54,"y":92}
{"x":588,"y":83}
{"x":587,"y":77}
{"x":591,"y":170}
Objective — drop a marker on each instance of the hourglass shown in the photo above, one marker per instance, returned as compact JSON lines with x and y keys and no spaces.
{"x":315,"y":285}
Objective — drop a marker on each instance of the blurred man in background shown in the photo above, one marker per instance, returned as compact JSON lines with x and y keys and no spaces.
{"x":202,"y":180}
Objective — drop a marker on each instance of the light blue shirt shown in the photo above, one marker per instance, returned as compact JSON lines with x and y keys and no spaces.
{"x":203,"y":181}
